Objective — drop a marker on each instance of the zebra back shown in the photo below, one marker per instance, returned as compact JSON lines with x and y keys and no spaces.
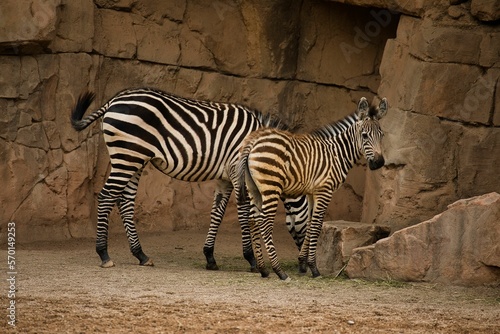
{"x":86,"y":98}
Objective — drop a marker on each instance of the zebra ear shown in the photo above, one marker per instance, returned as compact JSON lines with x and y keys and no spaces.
{"x":382,"y":109}
{"x":363,"y":108}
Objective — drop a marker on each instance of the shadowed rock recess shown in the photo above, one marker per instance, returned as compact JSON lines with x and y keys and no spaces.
{"x":437,"y":62}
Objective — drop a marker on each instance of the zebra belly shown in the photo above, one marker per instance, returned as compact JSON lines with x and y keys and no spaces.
{"x":294,"y":192}
{"x":306,"y":184}
{"x":184,"y":171}
{"x":299,"y":189}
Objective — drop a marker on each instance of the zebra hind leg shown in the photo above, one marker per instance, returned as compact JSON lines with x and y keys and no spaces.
{"x":126,"y":205}
{"x":247,"y":235}
{"x":305,"y":258}
{"x":266,"y":230}
{"x":255,"y":221}
{"x":106,"y":203}
{"x":313,"y":233}
{"x":317,"y":205}
{"x":221,"y":197}
{"x":110,"y":194}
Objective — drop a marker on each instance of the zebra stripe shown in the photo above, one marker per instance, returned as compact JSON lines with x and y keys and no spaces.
{"x":275,"y":164}
{"x":189,"y":140}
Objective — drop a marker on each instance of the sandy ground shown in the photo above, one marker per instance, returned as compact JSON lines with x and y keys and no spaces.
{"x":61,"y":289}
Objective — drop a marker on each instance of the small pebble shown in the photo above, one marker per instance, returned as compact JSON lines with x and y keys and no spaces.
{"x":350,"y":322}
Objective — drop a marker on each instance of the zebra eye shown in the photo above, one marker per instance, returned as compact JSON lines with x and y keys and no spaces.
{"x":364,"y":135}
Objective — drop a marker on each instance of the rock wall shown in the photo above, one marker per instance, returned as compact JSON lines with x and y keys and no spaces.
{"x":440,"y":75}
{"x":307,"y":61}
{"x":277,"y":56}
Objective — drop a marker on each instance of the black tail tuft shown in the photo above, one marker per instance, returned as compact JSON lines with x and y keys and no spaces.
{"x":246,"y":184}
{"x":79,"y":110}
{"x":242,"y":167}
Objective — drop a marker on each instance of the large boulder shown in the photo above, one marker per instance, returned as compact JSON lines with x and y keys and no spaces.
{"x":458,"y":246}
{"x":338,"y":238}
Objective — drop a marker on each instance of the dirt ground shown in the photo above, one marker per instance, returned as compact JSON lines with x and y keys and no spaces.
{"x":61,"y":288}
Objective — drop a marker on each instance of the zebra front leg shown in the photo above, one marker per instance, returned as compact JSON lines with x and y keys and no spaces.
{"x":313,"y":241}
{"x":305,"y":258}
{"x":318,"y":209}
{"x":222,"y":194}
{"x":304,"y":252}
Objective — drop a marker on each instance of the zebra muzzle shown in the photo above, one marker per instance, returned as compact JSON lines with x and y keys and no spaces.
{"x":376,"y":162}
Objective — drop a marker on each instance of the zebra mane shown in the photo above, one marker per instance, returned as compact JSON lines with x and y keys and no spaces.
{"x":269,"y":120}
{"x":335,"y":128}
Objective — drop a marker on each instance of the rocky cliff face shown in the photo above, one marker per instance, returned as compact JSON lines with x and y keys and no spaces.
{"x":441,"y":74}
{"x":306,"y":61}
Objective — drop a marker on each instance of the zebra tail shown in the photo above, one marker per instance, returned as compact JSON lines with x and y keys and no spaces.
{"x":79,"y":110}
{"x":245,"y":180}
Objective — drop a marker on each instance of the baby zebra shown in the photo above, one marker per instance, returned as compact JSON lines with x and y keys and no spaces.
{"x":276,"y":163}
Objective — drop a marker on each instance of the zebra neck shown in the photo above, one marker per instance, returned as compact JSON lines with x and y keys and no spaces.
{"x":349,"y":148}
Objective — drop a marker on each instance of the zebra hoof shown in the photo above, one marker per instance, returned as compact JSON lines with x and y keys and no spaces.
{"x":148,"y":263}
{"x":284,"y":277}
{"x":264,"y":273}
{"x":302,"y":266}
{"x":107,"y":264}
{"x":316,"y":274}
{"x":212,"y":266}
{"x":314,"y":271}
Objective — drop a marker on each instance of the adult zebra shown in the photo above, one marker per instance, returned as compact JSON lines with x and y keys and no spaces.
{"x":186,"y":139}
{"x":275,"y":163}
